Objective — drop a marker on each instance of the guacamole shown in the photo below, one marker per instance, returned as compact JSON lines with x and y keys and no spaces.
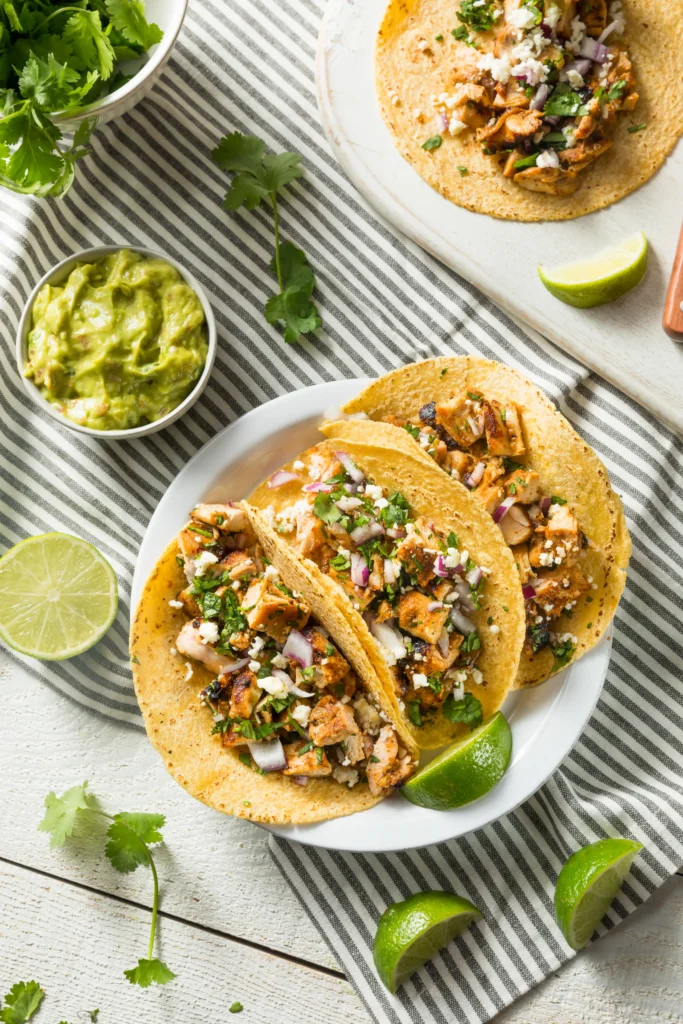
{"x":120,"y":343}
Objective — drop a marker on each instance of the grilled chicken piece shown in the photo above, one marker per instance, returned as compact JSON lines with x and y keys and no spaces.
{"x":230,"y":738}
{"x":432,"y":661}
{"x":376,"y":577}
{"x":426,"y":696}
{"x":490,"y":495}
{"x":190,"y":643}
{"x":191,"y":545}
{"x":311,"y":536}
{"x":552,"y":180}
{"x":273,"y":611}
{"x":560,"y":539}
{"x":520,"y":553}
{"x":388,"y":770}
{"x":329,"y":664}
{"x":360,"y":597}
{"x":238,"y":564}
{"x":458,"y":462}
{"x":579,"y":157}
{"x":241,"y":641}
{"x":510,"y":95}
{"x":524,"y":484}
{"x":357,"y":747}
{"x":245,"y":695}
{"x":564,"y":25}
{"x":511,"y":126}
{"x":515,"y":526}
{"x":313,"y":763}
{"x":227,"y":518}
{"x":621,"y":70}
{"x":593,"y":13}
{"x":417,"y":553}
{"x":459,"y":417}
{"x":473,"y":104}
{"x":190,"y":603}
{"x":558,"y":588}
{"x":331,"y":722}
{"x":413,"y":616}
{"x":503,"y":427}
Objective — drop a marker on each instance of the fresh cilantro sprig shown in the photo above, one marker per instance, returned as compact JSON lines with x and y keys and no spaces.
{"x":55,"y":59}
{"x":259,"y":176}
{"x":21,"y":1002}
{"x":468,"y":710}
{"x":129,"y":838}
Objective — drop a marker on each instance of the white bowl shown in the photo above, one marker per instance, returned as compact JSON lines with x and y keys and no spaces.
{"x":169,"y":16}
{"x":59,"y":274}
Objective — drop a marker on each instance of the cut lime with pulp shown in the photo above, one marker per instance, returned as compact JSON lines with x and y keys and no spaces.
{"x":58,"y":596}
{"x":601,"y":278}
{"x":587,"y":885}
{"x":464,"y":771}
{"x":413,"y":931}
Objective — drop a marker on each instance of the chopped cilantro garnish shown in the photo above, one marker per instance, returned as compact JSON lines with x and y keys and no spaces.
{"x":512,"y":488}
{"x":467,"y":710}
{"x":617,"y":90}
{"x":212,"y":605}
{"x":375,"y":760}
{"x":245,"y":759}
{"x":636,"y":128}
{"x":563,"y":102}
{"x":463,"y":172}
{"x":414,"y":712}
{"x":526,"y":161}
{"x":471,"y":643}
{"x":439,"y":37}
{"x":452,"y":540}
{"x":235,"y":1007}
{"x":306,"y":747}
{"x":434,"y":683}
{"x":319,"y":754}
{"x":556,"y":500}
{"x":432,"y":143}
{"x":445,"y":369}
{"x":180,"y":560}
{"x":412,"y":430}
{"x":463,"y":36}
{"x":477,"y":15}
{"x":562,"y":653}
{"x":396,"y":512}
{"x":325,"y":509}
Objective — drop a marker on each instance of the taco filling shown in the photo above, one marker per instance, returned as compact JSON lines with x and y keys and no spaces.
{"x":480,"y":442}
{"x":415,"y":587}
{"x":283,"y":694}
{"x":540,"y":85}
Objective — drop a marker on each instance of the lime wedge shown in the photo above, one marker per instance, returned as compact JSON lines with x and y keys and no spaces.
{"x":413,"y":931}
{"x":587,"y":885}
{"x":601,"y":278}
{"x":58,"y":596}
{"x":464,"y":771}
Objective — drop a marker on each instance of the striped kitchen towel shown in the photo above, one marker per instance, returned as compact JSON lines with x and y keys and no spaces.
{"x":248,"y":65}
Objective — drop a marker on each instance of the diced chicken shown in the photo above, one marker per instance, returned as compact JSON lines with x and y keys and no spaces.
{"x":503,"y":428}
{"x":458,"y":462}
{"x":414,"y":617}
{"x":376,"y":577}
{"x":331,"y":722}
{"x":385,"y":612}
{"x":584,"y":153}
{"x":388,"y":770}
{"x":238,"y":564}
{"x":228,"y":518}
{"x":190,"y":643}
{"x":241,"y":641}
{"x":558,"y":588}
{"x":593,"y":13}
{"x":356,"y":747}
{"x":509,"y":95}
{"x":311,"y":535}
{"x":360,"y":597}
{"x":417,"y":553}
{"x":472,"y":104}
{"x":520,"y":553}
{"x":245,"y":695}
{"x":313,"y":763}
{"x":231,"y":738}
{"x":190,"y":603}
{"x":490,"y":495}
{"x":560,"y":541}
{"x":621,"y":70}
{"x":429,"y":659}
{"x":515,"y":124}
{"x":515,"y":526}
{"x":524,"y":484}
{"x":427,"y":696}
{"x":330,"y":666}
{"x":569,"y":12}
{"x":554,"y":181}
{"x":191,"y":544}
{"x":276,"y":613}
{"x":460,"y":417}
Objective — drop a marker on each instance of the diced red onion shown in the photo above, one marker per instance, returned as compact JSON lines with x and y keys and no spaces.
{"x":593,"y":50}
{"x":546,"y":30}
{"x":389,"y":637}
{"x":443,"y":122}
{"x":390,"y":574}
{"x":474,"y":576}
{"x":465,"y":594}
{"x":542,"y":93}
{"x":528,"y":592}
{"x":234,"y":666}
{"x":278,"y":673}
{"x":476,"y":425}
{"x":443,"y":642}
{"x":462,"y":623}
{"x":474,"y":478}
{"x":281,"y":478}
{"x":553,"y":120}
{"x":503,"y":509}
{"x":363,"y":533}
{"x":301,"y":780}
{"x":353,"y":471}
{"x":318,"y":485}
{"x":351,"y":488}
{"x":359,"y":570}
{"x":269,"y":755}
{"x":299,"y":649}
{"x":434,"y":606}
{"x":545,"y":505}
{"x":440,"y":568}
{"x":395,"y":532}
{"x":606,"y":32}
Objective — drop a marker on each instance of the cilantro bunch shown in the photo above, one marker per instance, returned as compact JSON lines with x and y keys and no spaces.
{"x":55,"y":57}
{"x":259,"y":176}
{"x":130,"y":837}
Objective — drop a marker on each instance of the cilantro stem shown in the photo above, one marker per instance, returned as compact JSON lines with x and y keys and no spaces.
{"x":155,"y":906}
{"x":276,"y":225}
{"x":60,"y":10}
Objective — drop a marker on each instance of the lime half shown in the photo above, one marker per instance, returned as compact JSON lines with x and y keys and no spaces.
{"x":601,"y":278}
{"x":464,"y":771}
{"x":58,"y":596}
{"x":587,"y":885}
{"x":412,"y":932}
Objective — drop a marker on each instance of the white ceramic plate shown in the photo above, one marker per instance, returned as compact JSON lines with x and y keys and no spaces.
{"x":546,"y":722}
{"x":624,"y":341}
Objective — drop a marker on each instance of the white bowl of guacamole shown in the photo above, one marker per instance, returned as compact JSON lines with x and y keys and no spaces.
{"x":116,"y":342}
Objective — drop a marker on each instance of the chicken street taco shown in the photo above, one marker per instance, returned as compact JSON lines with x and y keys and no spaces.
{"x":418,"y":569}
{"x":494,"y":434}
{"x":253,"y":688}
{"x":532,"y":109}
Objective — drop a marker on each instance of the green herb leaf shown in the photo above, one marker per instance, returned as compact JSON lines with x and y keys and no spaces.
{"x":563,"y":101}
{"x":636,"y":128}
{"x":414,"y":712}
{"x":562,"y":653}
{"x":467,"y":710}
{"x":433,"y":143}
{"x":412,"y":430}
{"x":325,"y":509}
{"x":47,"y":82}
{"x":84,"y":33}
{"x":235,"y":1007}
{"x":21,"y":1002}
{"x":149,"y":972}
{"x":61,"y":813}
{"x":526,"y":161}
{"x":128,"y":18}
{"x":477,"y":15}
{"x":617,"y":90}
{"x":293,"y":306}
{"x":556,"y":500}
{"x":463,"y":172}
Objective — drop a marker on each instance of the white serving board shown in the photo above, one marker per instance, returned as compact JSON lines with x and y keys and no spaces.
{"x":623,"y":341}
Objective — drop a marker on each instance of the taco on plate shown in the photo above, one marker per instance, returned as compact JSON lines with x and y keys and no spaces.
{"x":253,"y":688}
{"x":418,"y":569}
{"x":496,"y":436}
{"x":532,"y":109}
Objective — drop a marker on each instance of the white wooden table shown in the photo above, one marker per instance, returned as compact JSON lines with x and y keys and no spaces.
{"x":230,"y":927}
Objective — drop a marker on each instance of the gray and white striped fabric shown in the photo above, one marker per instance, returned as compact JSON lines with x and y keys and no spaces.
{"x":247,"y":65}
